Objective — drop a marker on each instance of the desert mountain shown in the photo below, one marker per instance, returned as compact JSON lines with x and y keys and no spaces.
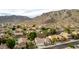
{"x":13,"y":18}
{"x":60,"y":17}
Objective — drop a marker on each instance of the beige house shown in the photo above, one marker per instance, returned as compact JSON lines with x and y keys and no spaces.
{"x":42,"y":42}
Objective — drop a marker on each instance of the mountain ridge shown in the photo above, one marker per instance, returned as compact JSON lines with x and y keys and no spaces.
{"x":13,"y":18}
{"x":60,"y":17}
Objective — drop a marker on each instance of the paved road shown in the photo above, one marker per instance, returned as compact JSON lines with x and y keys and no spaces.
{"x":62,"y":45}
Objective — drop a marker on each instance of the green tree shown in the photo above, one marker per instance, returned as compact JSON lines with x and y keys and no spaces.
{"x":32,"y":35}
{"x":11,"y":42}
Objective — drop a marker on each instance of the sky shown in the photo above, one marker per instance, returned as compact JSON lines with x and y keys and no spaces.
{"x":38,"y":4}
{"x":24,"y":12}
{"x":32,"y":8}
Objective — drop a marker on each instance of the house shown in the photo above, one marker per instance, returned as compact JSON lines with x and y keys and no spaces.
{"x":18,"y":32}
{"x":42,"y":42}
{"x":2,"y":30}
{"x":22,"y":40}
{"x":21,"y":43}
{"x":20,"y":46}
{"x":1,"y":35}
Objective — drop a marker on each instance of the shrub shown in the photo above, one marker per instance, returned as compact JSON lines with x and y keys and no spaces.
{"x":43,"y":28}
{"x":71,"y":46}
{"x":18,"y":26}
{"x":2,"y":40}
{"x":41,"y":34}
{"x":64,"y":36}
{"x":13,"y":28}
{"x":57,"y":38}
{"x":24,"y":29}
{"x":30,"y":45}
{"x":54,"y":39}
{"x":33,"y":25}
{"x":24,"y":33}
{"x":67,"y":30}
{"x":8,"y":32}
{"x":32,"y":35}
{"x":75,"y":35}
{"x":10,"y":42}
{"x":51,"y":31}
{"x":44,"y":32}
{"x":48,"y":31}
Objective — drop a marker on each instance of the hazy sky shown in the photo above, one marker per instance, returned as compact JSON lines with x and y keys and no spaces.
{"x":39,"y":4}
{"x":24,"y":12}
{"x":33,"y":8}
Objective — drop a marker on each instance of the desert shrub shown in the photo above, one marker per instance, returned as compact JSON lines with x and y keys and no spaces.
{"x":30,"y":45}
{"x":41,"y":34}
{"x":13,"y":28}
{"x":71,"y":46}
{"x":5,"y":26}
{"x":19,"y":26}
{"x":63,"y":38}
{"x":32,"y":35}
{"x":51,"y":31}
{"x":2,"y":40}
{"x":57,"y":38}
{"x":54,"y":40}
{"x":69,"y":14}
{"x":75,"y":35}
{"x":24,"y":33}
{"x":33,"y":25}
{"x":44,"y":32}
{"x":24,"y":29}
{"x":8,"y":32}
{"x":67,"y":30}
{"x":10,"y":42}
{"x":43,"y":28}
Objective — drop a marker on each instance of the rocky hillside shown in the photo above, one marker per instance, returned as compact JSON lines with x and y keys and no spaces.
{"x":13,"y":18}
{"x":62,"y":17}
